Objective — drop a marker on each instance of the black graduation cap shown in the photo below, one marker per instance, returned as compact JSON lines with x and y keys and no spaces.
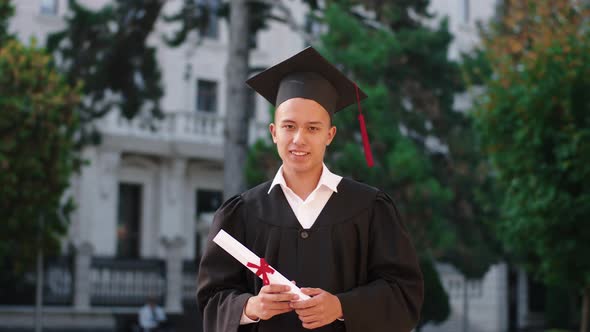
{"x":309,"y":75}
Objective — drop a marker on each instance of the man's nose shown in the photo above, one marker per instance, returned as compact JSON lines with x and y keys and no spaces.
{"x":299,"y":138}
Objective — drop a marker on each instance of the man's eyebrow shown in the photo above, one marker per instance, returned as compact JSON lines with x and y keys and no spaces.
{"x":313,"y":123}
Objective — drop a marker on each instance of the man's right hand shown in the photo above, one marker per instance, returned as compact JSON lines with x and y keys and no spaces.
{"x":272,"y":300}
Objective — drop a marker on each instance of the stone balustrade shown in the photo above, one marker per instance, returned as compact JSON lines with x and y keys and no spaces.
{"x":179,"y":126}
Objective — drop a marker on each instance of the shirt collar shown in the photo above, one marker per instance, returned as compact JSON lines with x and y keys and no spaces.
{"x":328,"y":179}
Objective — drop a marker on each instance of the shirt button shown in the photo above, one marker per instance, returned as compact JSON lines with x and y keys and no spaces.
{"x":304,"y":234}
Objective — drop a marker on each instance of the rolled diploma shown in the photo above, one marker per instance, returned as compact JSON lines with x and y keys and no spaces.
{"x":244,"y":255}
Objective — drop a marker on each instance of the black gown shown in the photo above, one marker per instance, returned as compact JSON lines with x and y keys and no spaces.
{"x":357,"y":249}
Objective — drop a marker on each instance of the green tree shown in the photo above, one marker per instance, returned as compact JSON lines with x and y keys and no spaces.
{"x":424,"y":152}
{"x":107,"y":49}
{"x":38,"y":155}
{"x":6,"y":11}
{"x":533,"y":120}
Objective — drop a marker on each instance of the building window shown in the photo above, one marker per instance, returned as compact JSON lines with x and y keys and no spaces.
{"x":212,"y":28}
{"x":206,"y":202}
{"x":49,"y":7}
{"x":129,"y":220}
{"x":206,"y":96}
{"x":466,"y":11}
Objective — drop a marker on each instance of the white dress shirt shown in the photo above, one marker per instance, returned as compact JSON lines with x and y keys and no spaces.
{"x":308,"y":210}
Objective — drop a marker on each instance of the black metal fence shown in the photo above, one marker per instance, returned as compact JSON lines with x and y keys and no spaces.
{"x":124,"y":282}
{"x":58,"y":286}
{"x":113,"y":282}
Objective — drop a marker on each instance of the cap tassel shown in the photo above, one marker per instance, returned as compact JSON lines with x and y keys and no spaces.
{"x":364,"y":134}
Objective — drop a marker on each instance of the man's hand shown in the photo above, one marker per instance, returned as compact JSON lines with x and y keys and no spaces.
{"x":322,"y":309}
{"x":272,"y":300}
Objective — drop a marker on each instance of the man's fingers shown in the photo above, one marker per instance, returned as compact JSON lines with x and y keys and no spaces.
{"x":311,"y":291}
{"x":322,"y":309}
{"x":275,"y":288}
{"x":304,"y":304}
{"x":269,"y":313}
{"x":275,"y":306}
{"x":280,"y":297}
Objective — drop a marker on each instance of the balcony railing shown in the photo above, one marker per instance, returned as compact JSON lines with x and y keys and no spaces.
{"x":198,"y":127}
{"x":174,"y":126}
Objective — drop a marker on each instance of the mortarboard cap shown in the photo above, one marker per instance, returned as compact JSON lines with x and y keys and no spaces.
{"x":309,"y":75}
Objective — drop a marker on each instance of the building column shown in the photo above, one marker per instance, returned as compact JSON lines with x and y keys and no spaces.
{"x":172,"y":182}
{"x":97,"y":201}
{"x":523,"y":299}
{"x":174,"y":282}
{"x":82,"y":286}
{"x":104,"y":235}
{"x":502,"y":289}
{"x":87,"y":198}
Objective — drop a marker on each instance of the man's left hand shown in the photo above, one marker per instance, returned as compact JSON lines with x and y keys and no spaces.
{"x":322,"y":309}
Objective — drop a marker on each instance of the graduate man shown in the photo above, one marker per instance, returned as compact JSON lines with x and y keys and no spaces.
{"x":341,"y":241}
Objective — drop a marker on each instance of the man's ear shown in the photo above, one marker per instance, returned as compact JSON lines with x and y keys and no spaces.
{"x":273,"y":131}
{"x":331,"y":134}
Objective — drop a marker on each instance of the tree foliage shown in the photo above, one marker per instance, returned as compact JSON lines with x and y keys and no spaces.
{"x":107,"y":49}
{"x":534,"y":120}
{"x":194,"y":16}
{"x":6,"y":11}
{"x":38,"y":155}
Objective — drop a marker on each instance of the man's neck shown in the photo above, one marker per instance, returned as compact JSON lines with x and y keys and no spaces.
{"x":302,"y":184}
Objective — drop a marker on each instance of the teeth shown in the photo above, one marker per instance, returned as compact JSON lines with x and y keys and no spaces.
{"x":299,"y":153}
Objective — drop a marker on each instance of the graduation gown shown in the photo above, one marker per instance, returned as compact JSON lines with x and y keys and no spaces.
{"x":357,"y":249}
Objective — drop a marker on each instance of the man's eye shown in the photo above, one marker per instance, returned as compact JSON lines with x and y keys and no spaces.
{"x":313,"y":128}
{"x":288,"y":126}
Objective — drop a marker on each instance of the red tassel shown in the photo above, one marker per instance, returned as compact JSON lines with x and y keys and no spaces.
{"x":364,"y":134}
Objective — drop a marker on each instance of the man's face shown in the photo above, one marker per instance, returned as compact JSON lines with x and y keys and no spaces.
{"x":301,"y":131}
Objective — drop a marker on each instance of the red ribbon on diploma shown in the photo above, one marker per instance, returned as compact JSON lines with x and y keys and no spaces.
{"x":262,"y":269}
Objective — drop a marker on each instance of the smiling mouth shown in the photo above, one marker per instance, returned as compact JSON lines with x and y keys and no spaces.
{"x":299,"y":153}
